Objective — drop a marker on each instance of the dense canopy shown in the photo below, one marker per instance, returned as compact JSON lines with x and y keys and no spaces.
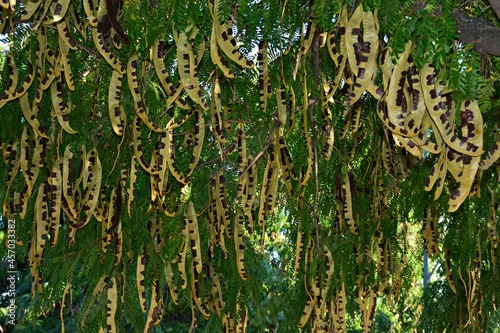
{"x":251,"y":166}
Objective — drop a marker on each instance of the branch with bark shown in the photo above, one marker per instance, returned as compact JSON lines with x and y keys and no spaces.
{"x":479,"y":31}
{"x":495,"y":4}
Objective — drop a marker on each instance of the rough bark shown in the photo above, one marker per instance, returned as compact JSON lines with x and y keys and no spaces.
{"x":478,"y":31}
{"x":495,"y":4}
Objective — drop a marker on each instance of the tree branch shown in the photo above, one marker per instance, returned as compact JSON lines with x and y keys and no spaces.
{"x":316,"y":181}
{"x":478,"y":31}
{"x":495,"y":4}
{"x":262,"y":150}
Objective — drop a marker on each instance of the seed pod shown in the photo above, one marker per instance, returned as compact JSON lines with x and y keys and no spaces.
{"x":63,"y":303}
{"x":77,"y":22}
{"x":45,"y":80}
{"x":353,"y":32}
{"x":347,"y":202}
{"x":66,"y":39}
{"x":67,"y":184}
{"x":417,"y":110}
{"x":299,"y":251}
{"x":13,"y":76}
{"x":264,"y":85}
{"x":217,"y":57}
{"x":216,"y":292}
{"x":462,"y":167}
{"x":338,"y":310}
{"x":281,"y":104}
{"x":325,"y":286}
{"x":172,"y":288}
{"x":367,"y":301}
{"x":107,"y":224}
{"x":378,"y":238}
{"x":111,"y":306}
{"x":328,"y":130}
{"x":364,"y":48}
{"x":188,"y":68}
{"x":437,"y":109}
{"x":138,"y":148}
{"x":306,"y":39}
{"x":216,"y":113}
{"x":118,"y":243}
{"x":338,"y":52}
{"x":132,"y":180}
{"x":429,"y":228}
{"x":328,"y":265}
{"x":408,"y":144}
{"x":102,"y":47}
{"x":133,"y":84}
{"x":181,"y":262}
{"x":55,"y":204}
{"x":41,"y":220}
{"x":92,"y":178}
{"x":306,"y":313}
{"x":116,"y":112}
{"x":465,"y":176}
{"x":242,"y":164}
{"x":239,"y":227}
{"x":492,"y":155}
{"x":89,"y":7}
{"x":29,"y":8}
{"x":141,"y":279}
{"x":492,"y":221}
{"x":60,"y":109}
{"x":174,"y":170}
{"x":24,"y":156}
{"x":194,"y":236}
{"x":222,"y":206}
{"x":173,"y":91}
{"x":155,"y":312}
{"x":31,"y":117}
{"x":308,"y":254}
{"x":196,"y":293}
{"x":269,"y":188}
{"x":228,"y":44}
{"x":213,"y":218}
{"x":14,"y":164}
{"x":4,"y":98}
{"x":241,"y":324}
{"x":286,"y":164}
{"x":198,"y":138}
{"x":194,"y":322}
{"x":397,"y":98}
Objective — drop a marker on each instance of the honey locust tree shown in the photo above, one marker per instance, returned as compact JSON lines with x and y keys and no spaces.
{"x":251,"y":165}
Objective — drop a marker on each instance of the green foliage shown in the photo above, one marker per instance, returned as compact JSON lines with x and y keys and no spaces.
{"x":387,"y":205}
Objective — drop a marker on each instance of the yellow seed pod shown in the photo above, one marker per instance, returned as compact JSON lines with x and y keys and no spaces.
{"x":101,"y":46}
{"x":348,"y":214}
{"x":239,"y":227}
{"x":217,"y":57}
{"x":55,"y":203}
{"x":116,"y":112}
{"x":229,"y":45}
{"x":436,"y":108}
{"x":141,"y":280}
{"x":111,"y":306}
{"x":188,"y":68}
{"x":492,"y":155}
{"x":59,"y":108}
